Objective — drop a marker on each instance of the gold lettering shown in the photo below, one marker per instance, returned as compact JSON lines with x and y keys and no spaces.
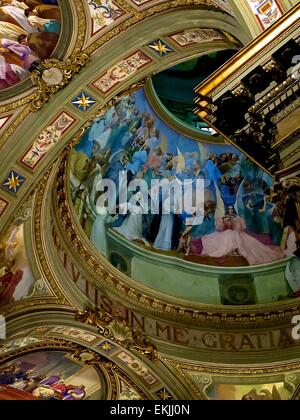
{"x":136,"y":322}
{"x":107,"y":304}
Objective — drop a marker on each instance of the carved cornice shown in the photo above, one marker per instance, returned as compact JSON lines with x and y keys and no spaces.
{"x":54,"y":75}
{"x":38,"y":242}
{"x":235,"y":371}
{"x":165,"y":307}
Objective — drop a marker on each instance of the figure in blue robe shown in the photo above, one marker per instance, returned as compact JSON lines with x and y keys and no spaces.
{"x":212,"y":171}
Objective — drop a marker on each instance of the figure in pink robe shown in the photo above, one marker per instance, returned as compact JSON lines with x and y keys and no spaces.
{"x":230,"y":237}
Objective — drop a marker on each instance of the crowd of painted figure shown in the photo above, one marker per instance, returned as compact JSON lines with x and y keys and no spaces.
{"x":18,"y":378}
{"x":239,"y":217}
{"x":29,"y":31}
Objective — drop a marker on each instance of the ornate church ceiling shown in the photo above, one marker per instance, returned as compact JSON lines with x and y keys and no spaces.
{"x":124,"y":316}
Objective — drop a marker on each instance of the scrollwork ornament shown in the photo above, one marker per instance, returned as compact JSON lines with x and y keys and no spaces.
{"x":118,"y":330}
{"x":86,"y":356}
{"x":53,"y":75}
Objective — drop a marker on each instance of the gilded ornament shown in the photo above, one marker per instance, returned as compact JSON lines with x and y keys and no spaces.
{"x":118,"y":330}
{"x":53,"y":75}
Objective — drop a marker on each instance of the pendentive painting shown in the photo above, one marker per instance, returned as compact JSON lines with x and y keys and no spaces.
{"x":16,"y":278}
{"x":29,"y":32}
{"x":49,"y":375}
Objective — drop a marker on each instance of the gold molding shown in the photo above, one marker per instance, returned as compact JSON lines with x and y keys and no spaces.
{"x":138,"y":16}
{"x":237,"y":370}
{"x":118,"y":330}
{"x":82,"y":355}
{"x":62,"y":71}
{"x":250,"y":52}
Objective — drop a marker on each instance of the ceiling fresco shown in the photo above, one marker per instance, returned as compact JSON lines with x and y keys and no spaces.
{"x":236,"y":227}
{"x":48,"y":376}
{"x":131,"y":138}
{"x":193,"y":301}
{"x":29,"y":34}
{"x":267,"y":388}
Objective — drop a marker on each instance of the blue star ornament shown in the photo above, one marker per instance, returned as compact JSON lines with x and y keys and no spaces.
{"x":83,"y":101}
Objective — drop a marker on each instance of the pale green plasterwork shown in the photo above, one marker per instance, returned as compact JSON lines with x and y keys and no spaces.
{"x":195,"y":282}
{"x":59,"y":51}
{"x":134,"y":38}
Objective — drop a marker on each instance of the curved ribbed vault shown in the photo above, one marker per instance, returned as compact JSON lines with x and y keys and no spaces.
{"x":142,"y":343}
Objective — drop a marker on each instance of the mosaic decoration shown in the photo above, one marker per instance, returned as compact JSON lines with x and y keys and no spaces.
{"x":26,"y":40}
{"x":3,"y":205}
{"x":106,"y":346}
{"x":103,"y":13}
{"x":137,"y":367}
{"x":121,"y":71}
{"x":74,"y":333}
{"x":47,"y":139}
{"x":164,"y":395}
{"x":13,"y":182}
{"x":160,"y":47}
{"x":196,"y":36}
{"x":266,"y":11}
{"x":83,"y":101}
{"x":48,"y":375}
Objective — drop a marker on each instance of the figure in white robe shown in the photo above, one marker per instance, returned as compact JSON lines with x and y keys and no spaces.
{"x":19,"y":16}
{"x":171,"y":204}
{"x":132,"y":227}
{"x":98,"y":233}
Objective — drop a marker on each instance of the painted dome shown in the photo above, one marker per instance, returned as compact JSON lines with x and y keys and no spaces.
{"x":162,"y":204}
